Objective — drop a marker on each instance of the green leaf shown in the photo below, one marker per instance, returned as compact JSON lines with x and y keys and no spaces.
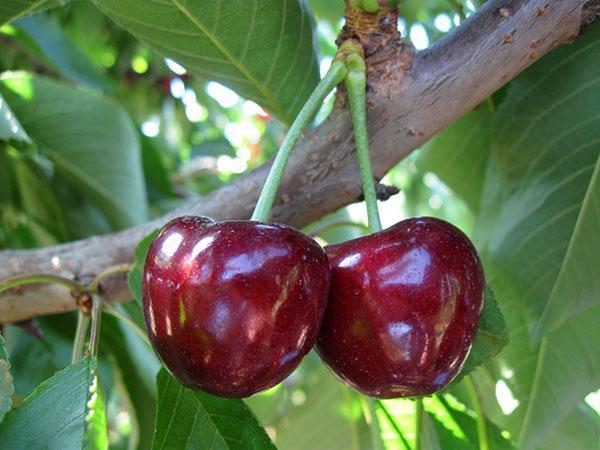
{"x":62,"y":53}
{"x":10,"y":128}
{"x":134,"y":278}
{"x":6,"y":383}
{"x":262,"y":49}
{"x":577,"y":431}
{"x":38,"y":201}
{"x":458,"y":155}
{"x":491,"y":337}
{"x":12,"y":10}
{"x":539,"y":230}
{"x":66,"y":411}
{"x":138,"y":366}
{"x":189,"y":419}
{"x":90,"y":140}
{"x":330,"y":415}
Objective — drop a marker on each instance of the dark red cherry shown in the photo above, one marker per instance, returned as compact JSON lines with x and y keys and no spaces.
{"x":232,"y":307}
{"x":403,"y":308}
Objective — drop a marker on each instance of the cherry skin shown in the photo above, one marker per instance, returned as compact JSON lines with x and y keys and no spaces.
{"x":404,"y":308}
{"x":231,"y":308}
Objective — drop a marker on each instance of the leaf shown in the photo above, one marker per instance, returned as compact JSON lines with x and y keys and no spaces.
{"x":58,"y":48}
{"x":134,"y":278}
{"x":189,"y":419}
{"x":66,"y":411}
{"x":39,"y":202}
{"x":90,"y":140}
{"x":578,"y":431}
{"x":262,"y":49}
{"x":491,"y":337}
{"x":538,"y":229}
{"x":6,"y":383}
{"x":12,"y":10}
{"x":458,"y":155}
{"x":330,"y":415}
{"x":10,"y":128}
{"x":138,"y":367}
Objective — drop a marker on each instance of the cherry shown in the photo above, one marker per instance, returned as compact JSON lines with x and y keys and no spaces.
{"x":403,"y":310}
{"x":232,"y":307}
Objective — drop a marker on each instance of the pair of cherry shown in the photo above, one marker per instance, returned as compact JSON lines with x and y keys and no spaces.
{"x":233,"y":307}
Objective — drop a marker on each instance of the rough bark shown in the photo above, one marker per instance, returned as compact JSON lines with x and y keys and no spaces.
{"x":411,"y":96}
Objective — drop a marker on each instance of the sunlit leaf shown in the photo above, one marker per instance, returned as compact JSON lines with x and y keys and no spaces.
{"x":10,"y":128}
{"x":66,"y":411}
{"x":188,"y":419}
{"x":261,"y":49}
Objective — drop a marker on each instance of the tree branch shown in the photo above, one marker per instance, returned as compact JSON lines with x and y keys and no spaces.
{"x":411,"y":97}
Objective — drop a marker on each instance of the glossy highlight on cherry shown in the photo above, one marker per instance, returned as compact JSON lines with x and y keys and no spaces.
{"x":403,"y":309}
{"x":232,"y":307}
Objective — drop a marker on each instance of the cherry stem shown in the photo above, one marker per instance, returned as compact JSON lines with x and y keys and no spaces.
{"x":109,"y":309}
{"x":484,"y":443}
{"x":109,"y":272}
{"x":393,"y":423}
{"x":356,"y":85}
{"x":334,"y":76}
{"x":96,"y":320}
{"x":418,"y":423}
{"x":12,"y":282}
{"x":338,"y":224}
{"x":83,"y":322}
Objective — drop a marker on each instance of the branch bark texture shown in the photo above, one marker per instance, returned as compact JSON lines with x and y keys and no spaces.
{"x":411,"y":97}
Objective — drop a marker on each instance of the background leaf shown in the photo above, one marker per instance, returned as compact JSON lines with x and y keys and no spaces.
{"x":536,"y":226}
{"x":10,"y":128}
{"x":11,"y":10}
{"x":6,"y":382}
{"x":195,"y":420}
{"x":261,"y":49}
{"x":81,"y":423}
{"x":62,"y":53}
{"x":458,"y":155}
{"x":106,"y":164}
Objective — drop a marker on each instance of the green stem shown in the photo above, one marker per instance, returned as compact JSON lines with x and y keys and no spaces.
{"x":108,"y":272}
{"x":83,"y":322}
{"x":484,"y":443}
{"x":109,"y":309}
{"x":341,"y":223}
{"x":418,"y":423}
{"x":12,"y":282}
{"x":96,"y":320}
{"x":393,"y":423}
{"x":356,"y":84}
{"x":370,"y":412}
{"x":334,"y":76}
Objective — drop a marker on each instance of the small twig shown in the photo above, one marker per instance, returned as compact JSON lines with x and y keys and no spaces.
{"x":96,"y":320}
{"x":83,"y":322}
{"x":109,"y":272}
{"x":16,"y":281}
